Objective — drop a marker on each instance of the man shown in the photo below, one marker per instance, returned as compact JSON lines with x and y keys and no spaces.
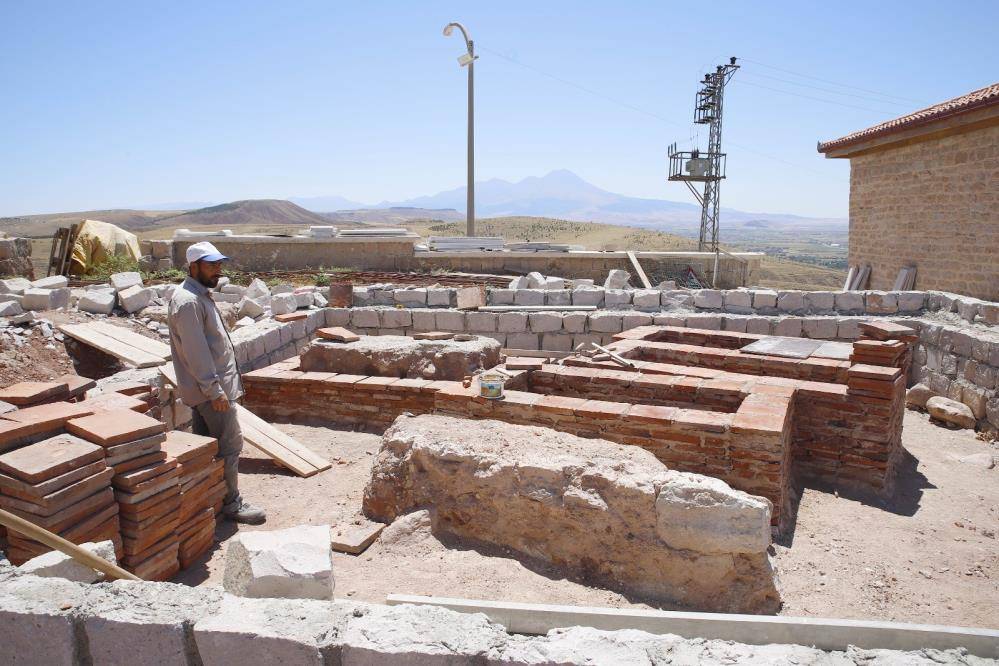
{"x":207,"y":377}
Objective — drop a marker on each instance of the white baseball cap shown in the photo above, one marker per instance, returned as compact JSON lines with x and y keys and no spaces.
{"x":204,"y":251}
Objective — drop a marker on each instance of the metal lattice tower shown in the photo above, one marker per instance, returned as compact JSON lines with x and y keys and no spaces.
{"x":709,"y":167}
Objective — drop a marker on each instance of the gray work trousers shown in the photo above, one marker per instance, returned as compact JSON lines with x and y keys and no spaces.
{"x":223,"y":426}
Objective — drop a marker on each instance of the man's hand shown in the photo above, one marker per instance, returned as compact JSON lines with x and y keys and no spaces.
{"x":221,"y":403}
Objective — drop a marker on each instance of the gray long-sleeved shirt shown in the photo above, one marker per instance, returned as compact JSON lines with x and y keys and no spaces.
{"x":203,"y":357}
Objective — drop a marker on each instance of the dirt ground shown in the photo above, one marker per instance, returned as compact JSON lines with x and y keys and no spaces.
{"x":931,"y":555}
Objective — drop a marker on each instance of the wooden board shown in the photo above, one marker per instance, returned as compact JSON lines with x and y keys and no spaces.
{"x":281,"y":447}
{"x":88,"y":335}
{"x":638,"y":269}
{"x":783,"y":347}
{"x":169,"y":373}
{"x":132,"y":339}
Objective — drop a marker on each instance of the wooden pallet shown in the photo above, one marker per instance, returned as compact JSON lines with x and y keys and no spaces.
{"x":128,"y":347}
{"x":61,"y":250}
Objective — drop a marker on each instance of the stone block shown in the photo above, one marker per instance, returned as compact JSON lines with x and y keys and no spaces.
{"x":820,"y":328}
{"x":911,"y":301}
{"x":13,"y":308}
{"x":918,"y":395}
{"x":586,"y":339}
{"x":708,"y":299}
{"x":450,"y":320}
{"x":849,"y":301}
{"x":500,"y":296}
{"x":558,"y":297}
{"x":848,"y":329}
{"x":393,"y":318}
{"x":556,"y":342}
{"x":635,"y":320}
{"x":605,"y":322}
{"x":738,"y":300}
{"x":248,"y":307}
{"x":161,"y":249}
{"x":424,"y":321}
{"x":122,"y":281}
{"x":788,"y":327}
{"x":764,"y":299}
{"x":735,"y":324}
{"x":574,"y":322}
{"x":529,"y":297}
{"x":881,"y":302}
{"x":336,"y":316}
{"x":293,"y":563}
{"x":820,"y":301}
{"x":790,"y":301}
{"x":481,"y":322}
{"x":410,"y":297}
{"x":393,"y":355}
{"x":647,"y":299}
{"x":360,"y":318}
{"x":439,"y":297}
{"x":14,"y":285}
{"x":588,"y":296}
{"x":553,"y":283}
{"x":975,"y":398}
{"x":58,"y":565}
{"x":758,"y":325}
{"x":37,"y":620}
{"x":617,"y":279}
{"x":521,"y":282}
{"x":51,"y":282}
{"x":617,"y":299}
{"x":522,"y":341}
{"x":512,"y":322}
{"x":535,"y":280}
{"x":44,"y":299}
{"x":545,"y":322}
{"x":361,"y":297}
{"x":303,"y":299}
{"x":283,"y":303}
{"x":706,"y":322}
{"x":951,"y":411}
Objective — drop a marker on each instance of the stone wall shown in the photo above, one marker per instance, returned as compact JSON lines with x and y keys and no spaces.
{"x":272,"y":253}
{"x":933,"y":204}
{"x":15,"y":258}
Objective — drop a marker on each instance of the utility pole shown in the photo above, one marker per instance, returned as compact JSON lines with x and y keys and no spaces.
{"x":709,"y":168}
{"x":468,"y":60}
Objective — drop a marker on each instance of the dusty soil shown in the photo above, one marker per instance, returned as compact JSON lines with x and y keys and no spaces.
{"x":931,"y":555}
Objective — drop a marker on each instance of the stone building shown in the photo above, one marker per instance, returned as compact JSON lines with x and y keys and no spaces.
{"x":924,"y":192}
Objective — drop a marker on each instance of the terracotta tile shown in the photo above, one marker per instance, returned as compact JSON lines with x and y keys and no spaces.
{"x":291,"y":316}
{"x":49,"y":458}
{"x":183,"y":446}
{"x":128,"y":388}
{"x":76,"y":384}
{"x":876,"y":372}
{"x":50,"y":415}
{"x":30,"y":393}
{"x":377,"y":381}
{"x":602,"y":409}
{"x":558,"y":404}
{"x":703,"y":419}
{"x":118,"y":427}
{"x":110,"y":402}
{"x":63,"y":498}
{"x":35,"y":491}
{"x":337,"y":334}
{"x":120,"y":453}
{"x":141,"y":461}
{"x":651,"y":414}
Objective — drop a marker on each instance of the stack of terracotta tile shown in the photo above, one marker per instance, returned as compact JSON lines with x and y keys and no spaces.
{"x":202,"y":490}
{"x":63,"y":485}
{"x":27,"y":394}
{"x":146,"y":488}
{"x":885,"y":343}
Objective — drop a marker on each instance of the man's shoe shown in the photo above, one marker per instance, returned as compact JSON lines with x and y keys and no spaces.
{"x":246,"y":513}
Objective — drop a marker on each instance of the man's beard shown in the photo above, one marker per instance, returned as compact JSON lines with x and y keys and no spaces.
{"x":210,"y":282}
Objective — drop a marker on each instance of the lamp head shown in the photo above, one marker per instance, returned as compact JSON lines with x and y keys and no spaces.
{"x":448,"y":29}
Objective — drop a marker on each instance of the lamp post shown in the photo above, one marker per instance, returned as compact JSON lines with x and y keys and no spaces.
{"x":468,"y":60}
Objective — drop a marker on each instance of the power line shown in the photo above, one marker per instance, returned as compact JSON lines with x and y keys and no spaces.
{"x":828,"y":90}
{"x":880,"y":112}
{"x":835,"y":83}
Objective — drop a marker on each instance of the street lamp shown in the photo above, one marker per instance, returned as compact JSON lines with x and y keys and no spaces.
{"x":468,"y":60}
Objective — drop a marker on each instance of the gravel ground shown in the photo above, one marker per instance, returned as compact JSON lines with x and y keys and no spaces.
{"x":930,"y":555}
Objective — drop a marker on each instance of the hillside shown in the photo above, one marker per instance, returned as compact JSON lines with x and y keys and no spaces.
{"x":43,"y":226}
{"x":256,"y":212}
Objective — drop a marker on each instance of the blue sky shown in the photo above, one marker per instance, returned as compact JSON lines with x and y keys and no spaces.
{"x":121,"y":104}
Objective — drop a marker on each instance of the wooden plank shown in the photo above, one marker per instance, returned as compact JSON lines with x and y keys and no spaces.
{"x":261,"y":426}
{"x":90,"y":336}
{"x":169,"y":373}
{"x":133,"y":339}
{"x":638,"y":269}
{"x":849,"y":278}
{"x":900,"y":280}
{"x":52,"y":252}
{"x":281,"y":455}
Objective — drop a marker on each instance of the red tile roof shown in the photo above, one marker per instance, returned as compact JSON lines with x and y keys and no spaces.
{"x":983,"y":97}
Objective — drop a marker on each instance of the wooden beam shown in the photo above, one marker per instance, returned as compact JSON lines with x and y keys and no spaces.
{"x":132,"y":339}
{"x":638,"y":269}
{"x":93,"y":337}
{"x":278,"y":445}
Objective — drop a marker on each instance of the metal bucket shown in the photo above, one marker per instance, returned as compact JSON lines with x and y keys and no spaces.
{"x":491,"y":386}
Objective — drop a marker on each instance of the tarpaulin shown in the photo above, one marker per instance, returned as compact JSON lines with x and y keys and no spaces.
{"x":96,"y":241}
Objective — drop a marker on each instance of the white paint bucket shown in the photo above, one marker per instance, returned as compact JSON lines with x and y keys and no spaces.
{"x":491,"y":385}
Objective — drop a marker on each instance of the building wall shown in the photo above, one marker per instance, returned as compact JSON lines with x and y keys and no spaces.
{"x":934,"y":204}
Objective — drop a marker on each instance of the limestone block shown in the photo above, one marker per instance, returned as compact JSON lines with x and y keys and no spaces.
{"x":36,"y":620}
{"x":588,"y":296}
{"x":58,"y":565}
{"x":283,"y":303}
{"x":439,"y":297}
{"x":758,"y":325}
{"x":303,"y":299}
{"x":582,"y":282}
{"x":586,"y":339}
{"x":647,"y":299}
{"x":293,"y":563}
{"x":256,"y":632}
{"x":556,"y":342}
{"x":363,"y":318}
{"x":248,"y":307}
{"x":319,"y":300}
{"x":500,"y":296}
{"x":708,"y":299}
{"x":523,"y":341}
{"x":735,"y":323}
{"x":669,"y":320}
{"x":989,"y":312}
{"x":673,"y":299}
{"x":676,"y":537}
{"x":738,"y":300}
{"x":283,"y":289}
{"x":424,"y":321}
{"x":790,"y":301}
{"x":635,"y":320}
{"x":145,"y":623}
{"x":220,"y":297}
{"x":605,"y":322}
{"x":400,"y":356}
{"x":820,"y":301}
{"x":427,"y":635}
{"x":553,"y":283}
{"x":574,"y":322}
{"x":393,"y":318}
{"x":617,"y":279}
{"x":788,"y":326}
{"x":967,"y":308}
{"x":122,"y":281}
{"x":617,"y":299}
{"x":558,"y":297}
{"x":44,"y":299}
{"x":951,"y":411}
{"x":521,"y":282}
{"x":911,"y":301}
{"x":14,"y":285}
{"x":824,"y":328}
{"x":51,"y":282}
{"x":161,"y":249}
{"x":450,"y":320}
{"x":764,"y":299}
{"x":231,"y":289}
{"x":975,"y":398}
{"x":361,"y":297}
{"x":848,"y":329}
{"x":481,"y":322}
{"x":849,"y":301}
{"x":13,"y":308}
{"x":545,"y":322}
{"x":511,"y":322}
{"x":336,"y":316}
{"x":881,"y":302}
{"x":706,"y":322}
{"x":529,"y":297}
{"x":410,"y":297}
{"x":535,"y":280}
{"x":257,"y":289}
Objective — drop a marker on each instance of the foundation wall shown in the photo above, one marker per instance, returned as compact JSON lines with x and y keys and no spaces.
{"x":269,"y":253}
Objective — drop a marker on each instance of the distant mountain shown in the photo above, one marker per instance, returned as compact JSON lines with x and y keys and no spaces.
{"x":563,"y":194}
{"x":393,"y":215}
{"x":239,"y":213}
{"x":324,"y":204}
